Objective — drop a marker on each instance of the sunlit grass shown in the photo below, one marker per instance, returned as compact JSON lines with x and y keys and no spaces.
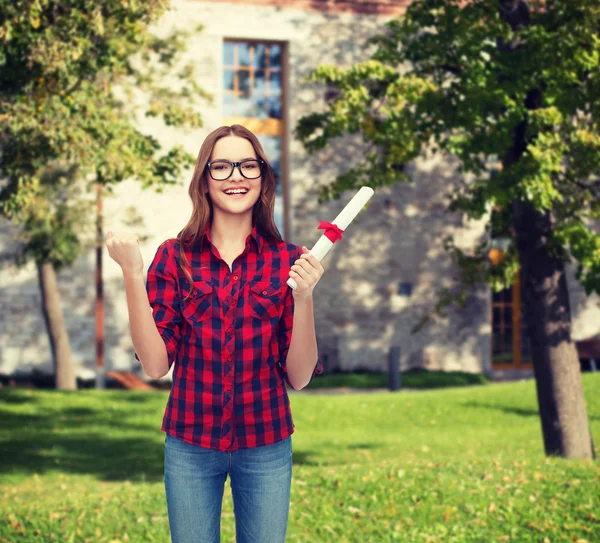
{"x":460,"y":464}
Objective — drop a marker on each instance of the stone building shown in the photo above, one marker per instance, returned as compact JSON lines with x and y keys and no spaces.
{"x":253,"y":57}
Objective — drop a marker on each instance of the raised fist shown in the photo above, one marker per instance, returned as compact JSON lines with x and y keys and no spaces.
{"x":124,"y":249}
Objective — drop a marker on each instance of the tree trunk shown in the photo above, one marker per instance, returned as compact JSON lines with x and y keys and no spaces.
{"x":55,"y":326}
{"x":561,"y":401}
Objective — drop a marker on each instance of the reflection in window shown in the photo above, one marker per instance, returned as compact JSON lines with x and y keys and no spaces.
{"x":252,"y":80}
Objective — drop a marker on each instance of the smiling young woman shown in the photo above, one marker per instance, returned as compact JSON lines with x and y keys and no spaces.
{"x":235,"y":334}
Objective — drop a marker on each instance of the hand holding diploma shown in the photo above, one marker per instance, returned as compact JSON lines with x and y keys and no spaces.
{"x":304,"y":279}
{"x":305,"y":272}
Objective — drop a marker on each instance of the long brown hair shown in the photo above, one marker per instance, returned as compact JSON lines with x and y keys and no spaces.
{"x":262,"y":214}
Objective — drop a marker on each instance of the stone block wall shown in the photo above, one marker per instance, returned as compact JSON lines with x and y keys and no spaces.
{"x":362,"y":304}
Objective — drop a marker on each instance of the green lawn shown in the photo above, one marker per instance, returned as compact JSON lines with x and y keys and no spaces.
{"x":450,"y":465}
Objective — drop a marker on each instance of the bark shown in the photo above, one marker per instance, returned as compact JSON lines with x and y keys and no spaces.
{"x":560,"y":396}
{"x":55,"y":327}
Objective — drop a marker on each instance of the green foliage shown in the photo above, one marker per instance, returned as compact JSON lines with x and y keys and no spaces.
{"x":74,"y":78}
{"x":455,"y":78}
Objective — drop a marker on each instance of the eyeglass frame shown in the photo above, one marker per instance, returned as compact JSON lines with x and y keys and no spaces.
{"x":260,"y":161}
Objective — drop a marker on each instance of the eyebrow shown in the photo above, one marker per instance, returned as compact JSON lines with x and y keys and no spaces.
{"x":240,"y":160}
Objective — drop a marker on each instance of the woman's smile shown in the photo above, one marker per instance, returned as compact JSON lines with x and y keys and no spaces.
{"x":237,"y":192}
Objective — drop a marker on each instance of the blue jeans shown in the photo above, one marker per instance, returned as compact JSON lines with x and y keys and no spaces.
{"x":260,"y":478}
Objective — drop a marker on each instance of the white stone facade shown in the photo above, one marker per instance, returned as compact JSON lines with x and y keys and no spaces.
{"x":397,"y":239}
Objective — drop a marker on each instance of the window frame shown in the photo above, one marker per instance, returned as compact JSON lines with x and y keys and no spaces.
{"x":269,"y":126}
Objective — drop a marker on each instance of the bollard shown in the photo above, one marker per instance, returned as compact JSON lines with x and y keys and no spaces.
{"x":394,"y":368}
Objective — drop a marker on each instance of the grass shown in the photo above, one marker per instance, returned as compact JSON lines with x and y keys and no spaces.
{"x":420,"y":379}
{"x":451,"y":465}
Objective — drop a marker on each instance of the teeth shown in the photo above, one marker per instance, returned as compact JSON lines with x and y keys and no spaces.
{"x":236,"y":191}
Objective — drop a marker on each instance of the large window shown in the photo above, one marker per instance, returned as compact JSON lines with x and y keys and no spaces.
{"x":510,"y":344}
{"x":253,"y":96}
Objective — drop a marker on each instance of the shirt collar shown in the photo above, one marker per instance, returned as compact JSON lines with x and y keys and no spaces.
{"x":255,"y":234}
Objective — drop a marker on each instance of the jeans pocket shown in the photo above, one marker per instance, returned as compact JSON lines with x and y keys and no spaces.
{"x":197,"y":307}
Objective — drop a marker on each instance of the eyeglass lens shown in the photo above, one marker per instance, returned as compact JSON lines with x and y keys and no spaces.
{"x":222,"y":170}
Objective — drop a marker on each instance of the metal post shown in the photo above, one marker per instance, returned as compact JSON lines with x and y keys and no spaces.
{"x":394,"y":368}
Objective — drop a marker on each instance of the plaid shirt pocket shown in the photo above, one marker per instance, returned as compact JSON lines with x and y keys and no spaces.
{"x":265,"y":300}
{"x":198,"y":306}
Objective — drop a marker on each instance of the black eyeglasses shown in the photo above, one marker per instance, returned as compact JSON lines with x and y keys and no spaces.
{"x":222,"y":169}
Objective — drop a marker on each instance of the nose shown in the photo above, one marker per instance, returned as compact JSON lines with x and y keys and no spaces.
{"x":236,"y":174}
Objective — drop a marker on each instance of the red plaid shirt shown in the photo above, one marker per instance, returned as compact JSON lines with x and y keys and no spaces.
{"x":229,"y":341}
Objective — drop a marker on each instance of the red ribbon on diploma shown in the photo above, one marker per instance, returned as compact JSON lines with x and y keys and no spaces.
{"x":332,"y":231}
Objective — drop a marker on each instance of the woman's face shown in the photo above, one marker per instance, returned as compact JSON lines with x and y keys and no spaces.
{"x":233,"y":149}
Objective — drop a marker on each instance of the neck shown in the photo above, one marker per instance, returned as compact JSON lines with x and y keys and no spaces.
{"x":230,"y":231}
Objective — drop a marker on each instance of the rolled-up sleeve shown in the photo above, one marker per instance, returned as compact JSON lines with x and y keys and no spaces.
{"x":161,"y":286}
{"x":285,"y":329}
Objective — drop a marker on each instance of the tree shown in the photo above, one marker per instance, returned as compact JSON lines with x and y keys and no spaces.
{"x":73,"y":78}
{"x":485,"y":81}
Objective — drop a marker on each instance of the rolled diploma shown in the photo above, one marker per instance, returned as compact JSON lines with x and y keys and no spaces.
{"x":344,"y":218}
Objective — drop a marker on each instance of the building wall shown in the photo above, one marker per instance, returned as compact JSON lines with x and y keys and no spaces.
{"x":359,"y":308}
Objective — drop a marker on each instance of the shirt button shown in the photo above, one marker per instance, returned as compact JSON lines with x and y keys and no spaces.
{"x":229,"y":330}
{"x":265,"y":292}
{"x":235,"y":277}
{"x":229,"y":359}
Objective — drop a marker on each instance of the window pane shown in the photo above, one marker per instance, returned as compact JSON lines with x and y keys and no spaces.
{"x":228,"y":54}
{"x":243,"y":54}
{"x":259,"y":82}
{"x":255,"y":89}
{"x":260,"y":56}
{"x":228,"y":80}
{"x":496,"y":316}
{"x":244,"y":106}
{"x":508,"y":340}
{"x":275,"y":107}
{"x":508,"y":315}
{"x":274,"y":56}
{"x":497,"y":341}
{"x":275,"y":83}
{"x":503,"y":358}
{"x":244,"y":82}
{"x":260,"y":108}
